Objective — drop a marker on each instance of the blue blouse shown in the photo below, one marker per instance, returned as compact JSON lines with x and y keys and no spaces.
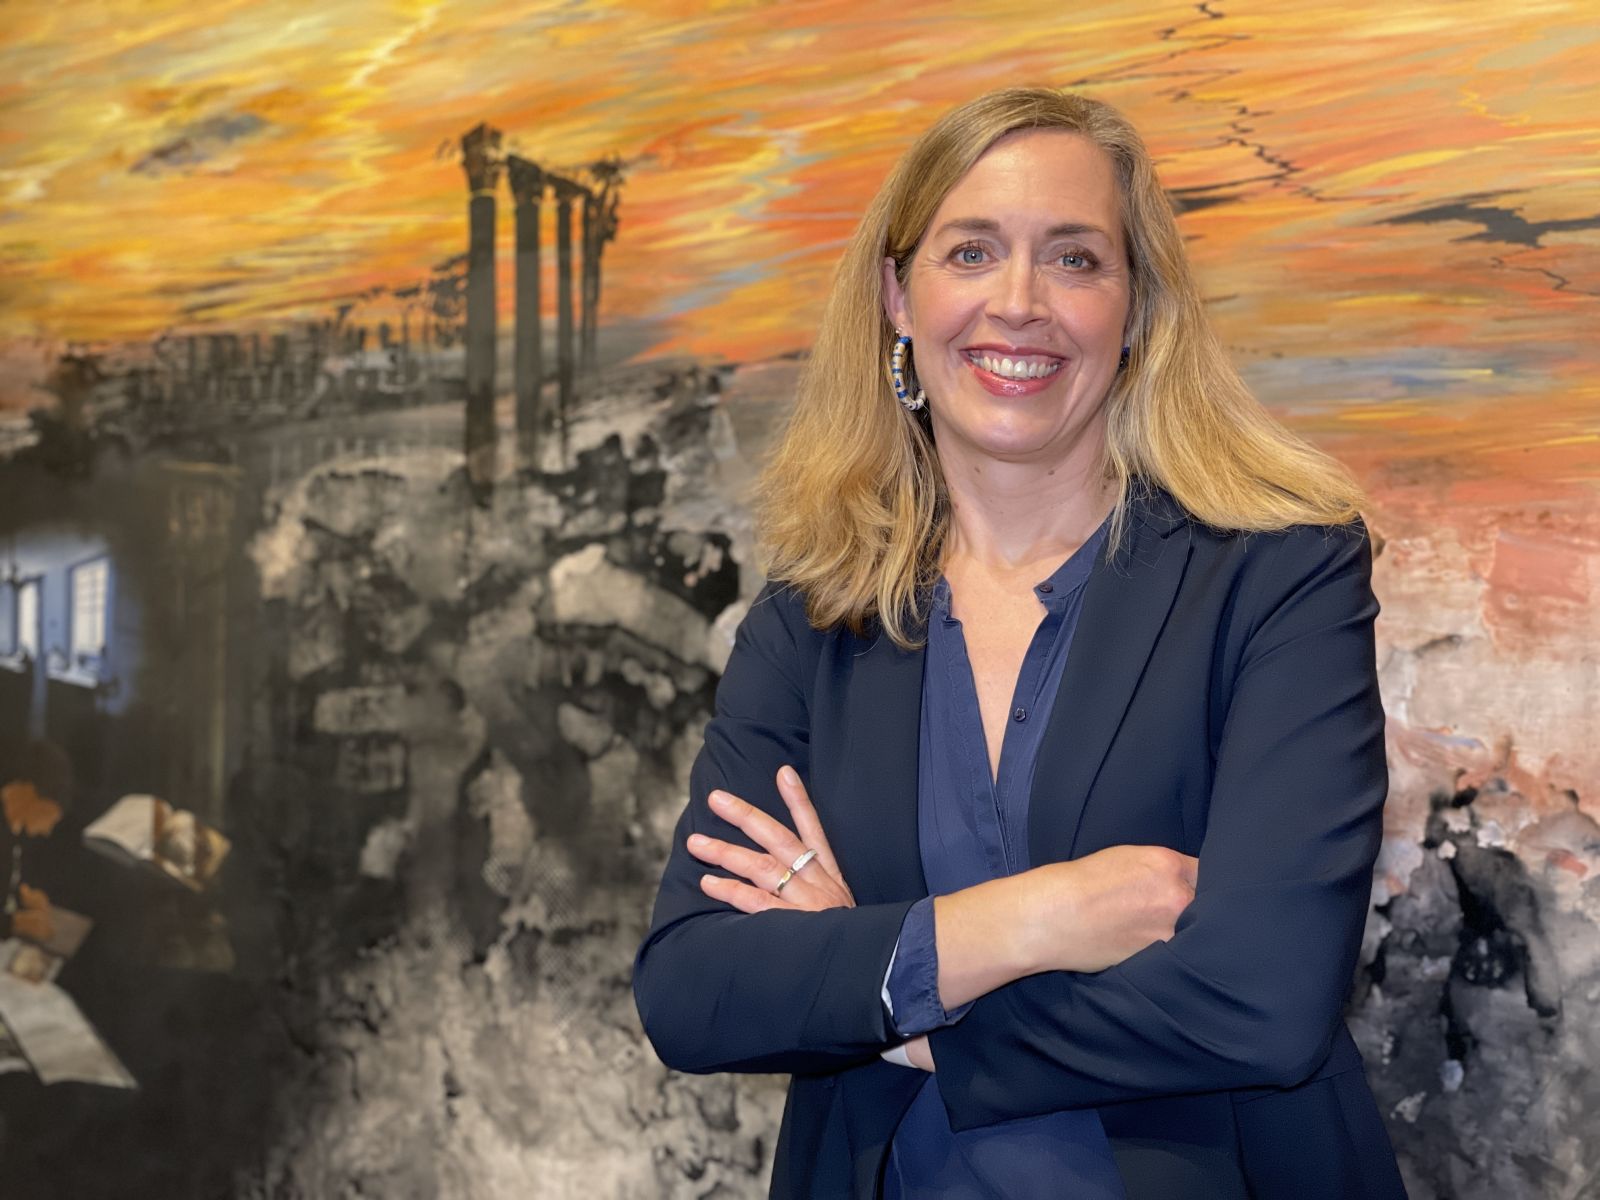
{"x":973,"y":827}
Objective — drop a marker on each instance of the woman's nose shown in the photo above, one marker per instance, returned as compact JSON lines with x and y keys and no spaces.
{"x":1016,"y":298}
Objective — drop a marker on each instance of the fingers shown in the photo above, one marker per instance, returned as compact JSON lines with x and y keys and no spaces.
{"x":740,"y":895}
{"x":817,"y":885}
{"x":758,"y":868}
{"x":806,"y":820}
{"x":811,"y":889}
{"x":772,"y":836}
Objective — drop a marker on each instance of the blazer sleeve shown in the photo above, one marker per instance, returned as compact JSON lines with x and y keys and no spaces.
{"x":1249,"y":990}
{"x":775,"y":991}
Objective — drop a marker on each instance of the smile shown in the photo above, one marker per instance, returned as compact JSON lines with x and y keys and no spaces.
{"x":1031,"y":366}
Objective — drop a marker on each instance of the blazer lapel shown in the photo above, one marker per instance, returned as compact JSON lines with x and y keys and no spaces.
{"x":883,"y":723}
{"x":1125,"y":605}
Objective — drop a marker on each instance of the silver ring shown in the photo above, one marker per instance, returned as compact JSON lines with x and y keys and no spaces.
{"x":793,"y":867}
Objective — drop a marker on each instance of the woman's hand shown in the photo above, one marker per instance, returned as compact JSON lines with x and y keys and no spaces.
{"x":1084,"y":915}
{"x":1107,"y":906}
{"x":816,"y":886}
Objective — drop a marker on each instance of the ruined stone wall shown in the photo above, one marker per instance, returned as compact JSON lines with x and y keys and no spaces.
{"x":487,"y":718}
{"x":1478,"y":1004}
{"x":476,"y":738}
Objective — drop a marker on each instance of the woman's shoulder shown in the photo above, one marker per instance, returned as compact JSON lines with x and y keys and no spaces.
{"x":1304,"y":545}
{"x":778,"y":601}
{"x":1301,"y":568}
{"x":777,"y":617}
{"x":1263,"y":570}
{"x":1307,"y":543}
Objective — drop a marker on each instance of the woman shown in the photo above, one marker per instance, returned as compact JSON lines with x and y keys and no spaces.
{"x":1034,"y":829}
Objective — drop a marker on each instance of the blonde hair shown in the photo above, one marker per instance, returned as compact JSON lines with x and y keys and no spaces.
{"x":851,"y":506}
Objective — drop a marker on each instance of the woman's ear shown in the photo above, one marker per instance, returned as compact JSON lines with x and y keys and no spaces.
{"x":894,"y":297}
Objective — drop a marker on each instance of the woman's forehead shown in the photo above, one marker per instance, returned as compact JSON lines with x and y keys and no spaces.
{"x":1034,"y":183}
{"x":1045,"y":181}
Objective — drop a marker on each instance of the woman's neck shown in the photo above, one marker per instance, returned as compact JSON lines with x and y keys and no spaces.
{"x":1009,"y":519}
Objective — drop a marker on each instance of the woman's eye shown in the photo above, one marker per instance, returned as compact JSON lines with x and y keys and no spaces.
{"x":1076,"y":261}
{"x":963,"y":251}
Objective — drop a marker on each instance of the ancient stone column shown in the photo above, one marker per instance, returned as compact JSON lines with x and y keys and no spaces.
{"x":527,"y":190}
{"x":566,"y":192}
{"x":480,"y":159}
{"x":608,"y":174}
{"x":591,"y":278}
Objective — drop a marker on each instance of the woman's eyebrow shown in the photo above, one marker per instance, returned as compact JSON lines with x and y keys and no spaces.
{"x":984,"y":225}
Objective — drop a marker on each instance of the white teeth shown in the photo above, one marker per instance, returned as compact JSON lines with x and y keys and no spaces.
{"x":1017,"y":369}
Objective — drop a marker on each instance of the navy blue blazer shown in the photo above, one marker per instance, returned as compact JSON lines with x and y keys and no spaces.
{"x":1223,"y":701}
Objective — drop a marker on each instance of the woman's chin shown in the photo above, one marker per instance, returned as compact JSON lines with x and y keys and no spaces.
{"x":1013,"y":436}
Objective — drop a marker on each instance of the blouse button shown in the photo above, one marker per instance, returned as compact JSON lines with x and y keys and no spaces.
{"x":1020,"y":714}
{"x":1047,"y":588}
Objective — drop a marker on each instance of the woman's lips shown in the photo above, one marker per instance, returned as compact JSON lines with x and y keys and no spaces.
{"x":1002,"y":386}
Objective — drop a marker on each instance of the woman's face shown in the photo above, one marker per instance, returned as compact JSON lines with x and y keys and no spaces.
{"x":1024,"y":261}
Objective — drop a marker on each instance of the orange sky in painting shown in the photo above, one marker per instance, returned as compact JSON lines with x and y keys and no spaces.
{"x":263,"y":160}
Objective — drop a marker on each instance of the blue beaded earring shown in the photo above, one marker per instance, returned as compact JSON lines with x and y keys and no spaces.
{"x":1122,"y":363}
{"x":897,"y":369}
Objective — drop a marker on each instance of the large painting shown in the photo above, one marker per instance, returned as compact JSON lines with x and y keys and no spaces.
{"x":380,"y":388}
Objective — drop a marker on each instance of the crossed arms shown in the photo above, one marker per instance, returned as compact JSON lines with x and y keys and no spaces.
{"x":1246,"y":991}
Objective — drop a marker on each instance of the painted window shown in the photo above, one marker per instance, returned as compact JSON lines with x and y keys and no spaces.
{"x":8,"y":619}
{"x":28,"y":619}
{"x":91,"y":590}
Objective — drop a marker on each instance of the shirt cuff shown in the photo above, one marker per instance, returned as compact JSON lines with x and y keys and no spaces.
{"x":911,"y":984}
{"x":898,"y":1056}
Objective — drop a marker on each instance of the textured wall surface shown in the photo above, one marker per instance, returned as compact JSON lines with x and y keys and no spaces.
{"x":1480,"y":999}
